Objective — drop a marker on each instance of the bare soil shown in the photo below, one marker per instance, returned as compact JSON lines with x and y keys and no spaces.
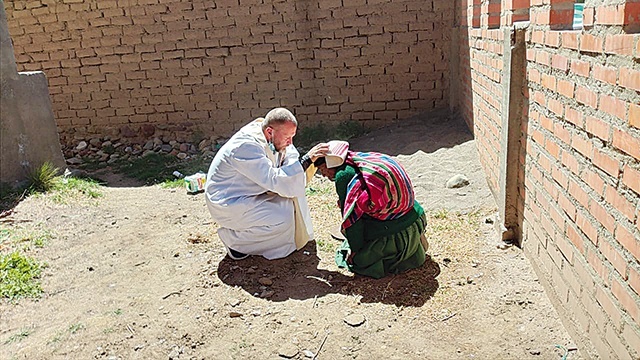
{"x":140,"y":274}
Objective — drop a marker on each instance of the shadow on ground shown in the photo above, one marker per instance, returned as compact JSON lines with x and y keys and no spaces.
{"x":298,"y":277}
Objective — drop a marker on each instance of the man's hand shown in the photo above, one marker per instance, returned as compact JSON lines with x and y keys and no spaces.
{"x":317,"y":151}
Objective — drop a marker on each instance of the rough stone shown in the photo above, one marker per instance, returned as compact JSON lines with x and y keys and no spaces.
{"x":457,"y":181}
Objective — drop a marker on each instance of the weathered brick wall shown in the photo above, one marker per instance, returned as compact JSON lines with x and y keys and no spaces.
{"x":579,"y":191}
{"x":139,"y":67}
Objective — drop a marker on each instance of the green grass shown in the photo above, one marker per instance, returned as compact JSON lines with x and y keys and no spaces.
{"x":19,"y":276}
{"x":42,"y":178}
{"x":36,"y":237}
{"x":158,"y":168}
{"x":172,"y":184}
{"x":66,"y":188}
{"x":74,"y":328}
{"x":18,"y":337}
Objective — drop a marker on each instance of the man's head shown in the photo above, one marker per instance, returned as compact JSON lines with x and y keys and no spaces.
{"x":279,"y":127}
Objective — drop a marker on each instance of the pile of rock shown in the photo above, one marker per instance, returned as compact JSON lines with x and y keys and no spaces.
{"x":107,"y":150}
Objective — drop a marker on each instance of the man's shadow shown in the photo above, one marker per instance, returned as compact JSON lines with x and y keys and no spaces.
{"x":298,"y":277}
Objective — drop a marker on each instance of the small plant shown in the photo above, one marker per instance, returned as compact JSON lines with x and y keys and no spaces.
{"x":36,"y":237}
{"x":74,"y":328}
{"x":19,"y":336}
{"x":69,"y":187}
{"x":42,"y":178}
{"x":19,"y":276}
{"x":172,"y":184}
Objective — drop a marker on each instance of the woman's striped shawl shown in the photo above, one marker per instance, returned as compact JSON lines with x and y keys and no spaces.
{"x":380,"y":189}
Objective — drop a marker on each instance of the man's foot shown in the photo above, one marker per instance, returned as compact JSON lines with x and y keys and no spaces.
{"x":236,"y":255}
{"x":424,"y":242}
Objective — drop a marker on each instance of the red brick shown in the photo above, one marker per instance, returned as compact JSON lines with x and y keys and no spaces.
{"x":630,"y":78}
{"x":628,"y":303}
{"x":607,"y":163}
{"x":560,"y":62}
{"x":591,"y":43}
{"x":626,"y":142}
{"x":631,"y":178}
{"x":583,"y":145}
{"x":586,"y":96}
{"x":581,"y":68}
{"x":619,"y":202}
{"x":628,"y":240}
{"x":614,"y":257}
{"x":610,"y":15}
{"x":587,"y":227}
{"x":574,"y":116}
{"x":549,"y":81}
{"x":634,"y":281}
{"x":634,"y":115}
{"x":598,"y":127}
{"x":576,"y":239}
{"x":565,"y":88}
{"x":570,"y":40}
{"x":631,"y":13}
{"x":613,"y":106}
{"x":603,"y":216}
{"x":619,"y":44}
{"x":605,"y":73}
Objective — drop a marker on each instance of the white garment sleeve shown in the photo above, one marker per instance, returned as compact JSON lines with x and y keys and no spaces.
{"x":287,"y":181}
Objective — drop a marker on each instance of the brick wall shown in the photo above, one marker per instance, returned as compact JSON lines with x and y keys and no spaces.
{"x":579,"y":183}
{"x":138,"y":67}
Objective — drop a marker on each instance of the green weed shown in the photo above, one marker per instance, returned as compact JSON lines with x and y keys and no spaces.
{"x":19,"y":276}
{"x":172,"y":184}
{"x":158,"y":168}
{"x":74,"y":328}
{"x":42,"y":178}
{"x":66,"y":188}
{"x":18,"y":337}
{"x":32,"y":237}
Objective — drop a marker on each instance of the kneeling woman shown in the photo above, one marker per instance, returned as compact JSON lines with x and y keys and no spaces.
{"x":382,"y":222}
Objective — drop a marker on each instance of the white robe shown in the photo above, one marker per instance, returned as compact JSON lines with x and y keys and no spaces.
{"x":261,"y":207}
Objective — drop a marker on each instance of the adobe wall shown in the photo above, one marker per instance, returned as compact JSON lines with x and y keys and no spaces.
{"x":135,"y":69}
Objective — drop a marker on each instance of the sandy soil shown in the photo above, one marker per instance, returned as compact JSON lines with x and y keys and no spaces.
{"x":141,"y":274}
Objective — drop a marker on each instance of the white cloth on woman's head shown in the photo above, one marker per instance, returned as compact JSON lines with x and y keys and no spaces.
{"x":337,"y":153}
{"x":258,"y":197}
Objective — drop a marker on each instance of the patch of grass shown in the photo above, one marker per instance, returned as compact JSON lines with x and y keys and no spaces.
{"x":19,"y":276}
{"x":18,"y":337}
{"x":42,"y":178}
{"x":74,"y":328}
{"x":66,"y":188}
{"x":172,"y":184}
{"x":31,"y":237}
{"x":117,"y":311}
{"x":56,"y":338}
{"x":158,"y":168}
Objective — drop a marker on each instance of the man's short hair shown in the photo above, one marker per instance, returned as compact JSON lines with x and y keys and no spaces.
{"x":279,"y":116}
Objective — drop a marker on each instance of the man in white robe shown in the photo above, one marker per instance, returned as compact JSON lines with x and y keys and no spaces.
{"x":255,"y":189}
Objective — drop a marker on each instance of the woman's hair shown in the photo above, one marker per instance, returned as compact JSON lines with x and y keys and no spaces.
{"x":320,"y":161}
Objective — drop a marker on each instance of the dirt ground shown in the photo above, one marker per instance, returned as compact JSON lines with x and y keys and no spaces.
{"x":140,"y":274}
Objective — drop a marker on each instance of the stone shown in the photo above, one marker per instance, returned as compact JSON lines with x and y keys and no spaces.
{"x":288,"y":351}
{"x":355,"y":319}
{"x":265,"y":281}
{"x":74,"y":161}
{"x":457,"y":181}
{"x":182,"y":156}
{"x":82,"y":145}
{"x":126,"y":132}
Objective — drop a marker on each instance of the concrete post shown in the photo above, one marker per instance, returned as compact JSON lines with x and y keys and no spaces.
{"x":28,"y":133}
{"x":513,"y":75}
